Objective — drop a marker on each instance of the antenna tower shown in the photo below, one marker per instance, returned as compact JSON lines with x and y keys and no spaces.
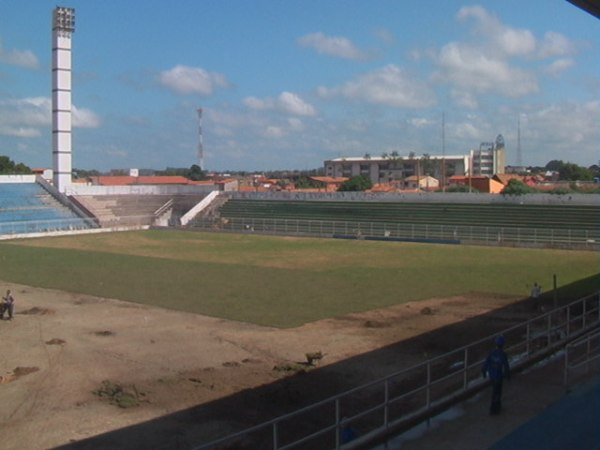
{"x":200,"y":145}
{"x":519,"y":155}
{"x":443,"y":151}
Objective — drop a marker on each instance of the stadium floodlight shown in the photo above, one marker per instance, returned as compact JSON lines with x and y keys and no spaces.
{"x":63,"y":25}
{"x":64,"y":19}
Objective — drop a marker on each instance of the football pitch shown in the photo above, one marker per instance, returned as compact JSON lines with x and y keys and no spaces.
{"x":283,"y":281}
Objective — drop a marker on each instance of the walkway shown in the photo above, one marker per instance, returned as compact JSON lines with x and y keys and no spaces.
{"x":539,"y":413}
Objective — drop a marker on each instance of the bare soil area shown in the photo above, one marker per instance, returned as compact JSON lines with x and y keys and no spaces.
{"x":83,"y":372}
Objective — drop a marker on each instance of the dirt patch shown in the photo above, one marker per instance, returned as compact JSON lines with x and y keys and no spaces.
{"x":17,"y":373}
{"x":104,"y":333}
{"x":37,"y":311}
{"x":169,"y":379}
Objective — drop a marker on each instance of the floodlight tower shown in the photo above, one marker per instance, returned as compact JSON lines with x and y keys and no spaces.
{"x":200,"y":145}
{"x":63,"y":26}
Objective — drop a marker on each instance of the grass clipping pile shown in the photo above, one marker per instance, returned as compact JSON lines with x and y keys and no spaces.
{"x":118,"y":395}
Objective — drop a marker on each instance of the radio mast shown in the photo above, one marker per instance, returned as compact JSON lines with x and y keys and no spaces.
{"x":200,"y":145}
{"x":519,"y":154}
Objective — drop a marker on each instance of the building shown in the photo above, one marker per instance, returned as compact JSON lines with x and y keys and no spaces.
{"x":423,"y":183}
{"x":391,"y":169}
{"x":488,"y":160}
{"x":479,"y":183}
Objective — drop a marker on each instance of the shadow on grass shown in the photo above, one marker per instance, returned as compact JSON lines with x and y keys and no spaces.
{"x":191,"y":427}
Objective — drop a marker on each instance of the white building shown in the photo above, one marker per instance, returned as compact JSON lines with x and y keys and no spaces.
{"x":489,"y":160}
{"x":390,"y":169}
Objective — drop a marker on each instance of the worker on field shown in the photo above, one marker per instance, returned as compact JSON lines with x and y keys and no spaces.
{"x":497,"y":367}
{"x":536,"y":291}
{"x":9,"y":305}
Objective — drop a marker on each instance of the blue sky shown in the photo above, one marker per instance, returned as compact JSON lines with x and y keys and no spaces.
{"x":289,"y":84}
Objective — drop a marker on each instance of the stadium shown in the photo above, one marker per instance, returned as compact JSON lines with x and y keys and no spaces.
{"x":194,"y":316}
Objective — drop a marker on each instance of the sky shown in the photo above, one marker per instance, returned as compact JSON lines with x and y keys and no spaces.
{"x":288,"y":84}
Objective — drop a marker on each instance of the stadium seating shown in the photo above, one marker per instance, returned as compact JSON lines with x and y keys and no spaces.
{"x":129,"y":209}
{"x":556,"y":225}
{"x":497,"y":215}
{"x":29,"y":208}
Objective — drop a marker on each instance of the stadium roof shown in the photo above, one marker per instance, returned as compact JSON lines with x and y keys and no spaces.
{"x":591,"y":6}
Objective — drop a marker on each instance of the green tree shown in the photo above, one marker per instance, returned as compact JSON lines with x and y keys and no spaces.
{"x":554,"y":165}
{"x":573,"y":172}
{"x":517,"y":187}
{"x":195,"y":173}
{"x":358,"y":183}
{"x":8,"y":167}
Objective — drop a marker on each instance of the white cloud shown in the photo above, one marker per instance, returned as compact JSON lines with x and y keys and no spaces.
{"x":337,"y":46}
{"x":555,"y":44}
{"x":21,"y":58}
{"x":389,"y":86}
{"x":464,"y":98}
{"x":507,"y":40}
{"x":472,"y":69}
{"x":85,"y":118}
{"x":421,"y":122}
{"x":293,"y":104}
{"x":26,"y":117}
{"x":286,"y":102}
{"x":295,"y":124}
{"x":259,"y":104}
{"x":192,"y":80}
{"x":568,"y":126}
{"x":21,"y":132}
{"x":559,"y":66}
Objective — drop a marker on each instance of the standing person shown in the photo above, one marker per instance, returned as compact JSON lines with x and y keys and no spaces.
{"x":9,"y":303}
{"x":536,"y":291}
{"x":496,"y":366}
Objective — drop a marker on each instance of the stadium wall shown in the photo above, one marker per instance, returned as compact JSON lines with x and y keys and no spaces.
{"x":74,"y":189}
{"x":17,"y":178}
{"x":424,"y":197}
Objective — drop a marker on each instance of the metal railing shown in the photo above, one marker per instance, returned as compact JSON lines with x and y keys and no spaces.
{"x":580,"y":355}
{"x":45,"y":226}
{"x":488,"y":235}
{"x":413,"y":395}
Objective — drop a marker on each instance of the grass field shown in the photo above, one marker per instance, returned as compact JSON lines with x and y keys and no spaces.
{"x":281,"y":281}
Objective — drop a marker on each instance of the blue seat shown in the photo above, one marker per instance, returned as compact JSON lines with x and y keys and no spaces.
{"x":29,"y":208}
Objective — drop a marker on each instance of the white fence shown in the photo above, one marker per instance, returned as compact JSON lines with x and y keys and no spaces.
{"x":485,"y":235}
{"x":392,"y":404}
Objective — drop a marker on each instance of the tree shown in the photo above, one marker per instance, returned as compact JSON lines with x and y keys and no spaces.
{"x":8,"y":167}
{"x":517,"y":187}
{"x":573,"y":172}
{"x":554,"y":165}
{"x":428,"y":164}
{"x":358,"y":183}
{"x":195,"y":173}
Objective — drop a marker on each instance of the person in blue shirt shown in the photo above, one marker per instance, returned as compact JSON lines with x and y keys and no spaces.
{"x":497,"y":367}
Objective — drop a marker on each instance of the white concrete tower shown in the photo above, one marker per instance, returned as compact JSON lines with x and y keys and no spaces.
{"x":63,"y":25}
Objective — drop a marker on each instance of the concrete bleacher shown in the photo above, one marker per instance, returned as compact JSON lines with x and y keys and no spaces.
{"x":29,"y":208}
{"x":570,"y":222}
{"x":134,"y":209}
{"x":580,"y":217}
